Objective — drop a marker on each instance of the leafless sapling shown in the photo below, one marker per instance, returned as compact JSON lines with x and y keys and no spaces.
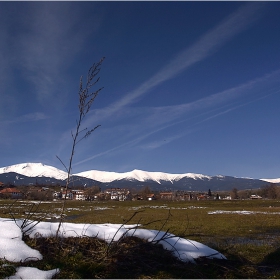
{"x":86,"y":98}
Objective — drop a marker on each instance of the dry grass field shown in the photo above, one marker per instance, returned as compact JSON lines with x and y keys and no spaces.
{"x":245,"y":231}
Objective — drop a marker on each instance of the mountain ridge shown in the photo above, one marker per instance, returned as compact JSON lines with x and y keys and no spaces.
{"x":39,"y":172}
{"x":140,"y":175}
{"x":35,"y":170}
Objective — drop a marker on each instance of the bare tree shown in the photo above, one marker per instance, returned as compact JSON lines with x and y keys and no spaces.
{"x":86,"y":99}
{"x":234,"y":193}
{"x":270,"y":191}
{"x":90,"y":192}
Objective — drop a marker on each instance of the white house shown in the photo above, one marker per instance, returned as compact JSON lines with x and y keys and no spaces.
{"x":78,"y":195}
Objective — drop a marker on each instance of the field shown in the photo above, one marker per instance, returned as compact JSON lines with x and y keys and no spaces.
{"x":245,"y":231}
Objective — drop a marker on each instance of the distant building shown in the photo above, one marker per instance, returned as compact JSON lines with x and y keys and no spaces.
{"x":151,"y":196}
{"x":11,"y":193}
{"x":67,"y":194}
{"x":78,"y":194}
{"x":166,"y":195}
{"x":255,"y":196}
{"x":118,"y":194}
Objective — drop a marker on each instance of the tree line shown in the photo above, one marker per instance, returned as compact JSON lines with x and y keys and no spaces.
{"x":270,"y":191}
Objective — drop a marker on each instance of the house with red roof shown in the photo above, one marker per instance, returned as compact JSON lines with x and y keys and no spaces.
{"x":11,"y":193}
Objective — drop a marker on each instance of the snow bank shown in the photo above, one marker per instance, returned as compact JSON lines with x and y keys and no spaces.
{"x":185,"y":250}
{"x":33,"y":273}
{"x":13,"y":249}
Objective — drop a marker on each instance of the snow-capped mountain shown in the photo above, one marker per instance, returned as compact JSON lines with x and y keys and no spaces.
{"x":38,"y":173}
{"x":139,"y":175}
{"x":274,"y":181}
{"x":35,"y":170}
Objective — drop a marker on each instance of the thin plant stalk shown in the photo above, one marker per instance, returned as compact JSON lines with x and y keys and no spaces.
{"x":86,"y":99}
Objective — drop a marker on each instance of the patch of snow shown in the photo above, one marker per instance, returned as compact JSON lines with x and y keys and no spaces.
{"x":12,"y":247}
{"x":164,"y":207}
{"x":23,"y":272}
{"x":243,"y":212}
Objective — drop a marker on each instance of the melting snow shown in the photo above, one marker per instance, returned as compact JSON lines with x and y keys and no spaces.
{"x":33,"y":273}
{"x":242,"y":212}
{"x":12,"y":247}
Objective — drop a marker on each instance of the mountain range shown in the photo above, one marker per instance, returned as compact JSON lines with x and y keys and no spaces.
{"x":32,"y":173}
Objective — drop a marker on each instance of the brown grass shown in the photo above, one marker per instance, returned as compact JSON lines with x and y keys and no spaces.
{"x":250,"y":242}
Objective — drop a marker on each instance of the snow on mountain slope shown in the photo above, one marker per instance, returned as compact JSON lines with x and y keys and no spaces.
{"x":274,"y":181}
{"x":107,"y":177}
{"x":35,"y":170}
{"x":42,"y":170}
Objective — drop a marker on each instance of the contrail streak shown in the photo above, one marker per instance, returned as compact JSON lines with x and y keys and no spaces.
{"x":205,"y":46}
{"x":215,"y":99}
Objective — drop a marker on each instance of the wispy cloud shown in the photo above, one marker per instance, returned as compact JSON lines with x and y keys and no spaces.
{"x":31,"y":117}
{"x":275,"y":91}
{"x":212,"y":106}
{"x":156,"y":119}
{"x":201,"y":49}
{"x":47,"y":38}
{"x":160,"y":142}
{"x":261,"y":86}
{"x":50,"y":42}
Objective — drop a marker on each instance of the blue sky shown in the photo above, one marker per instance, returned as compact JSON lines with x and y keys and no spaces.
{"x":188,"y":86}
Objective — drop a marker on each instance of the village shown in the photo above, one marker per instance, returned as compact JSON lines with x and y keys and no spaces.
{"x":94,"y":193}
